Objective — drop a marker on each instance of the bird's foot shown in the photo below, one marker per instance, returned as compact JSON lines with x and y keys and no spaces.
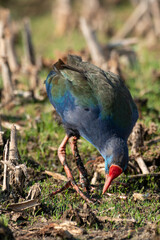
{"x":89,"y":191}
{"x":75,"y":187}
{"x":66,"y":186}
{"x":85,"y":186}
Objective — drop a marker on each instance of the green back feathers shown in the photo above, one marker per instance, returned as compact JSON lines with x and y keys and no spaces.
{"x":92,"y":87}
{"x":111,"y":93}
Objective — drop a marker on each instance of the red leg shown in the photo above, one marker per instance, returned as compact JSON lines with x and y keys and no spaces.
{"x":62,"y":158}
{"x":82,"y":171}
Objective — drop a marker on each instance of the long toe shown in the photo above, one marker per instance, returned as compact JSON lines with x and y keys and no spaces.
{"x":75,"y":186}
{"x":66,"y":186}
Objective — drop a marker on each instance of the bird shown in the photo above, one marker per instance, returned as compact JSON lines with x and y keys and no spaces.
{"x":96,"y":105}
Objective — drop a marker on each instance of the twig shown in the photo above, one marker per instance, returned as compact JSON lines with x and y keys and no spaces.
{"x":94,"y":178}
{"x":144,"y":175}
{"x":104,"y":218}
{"x":2,"y":45}
{"x":93,"y":44}
{"x":7,"y":37}
{"x":24,"y":94}
{"x":8,"y":164}
{"x":33,"y":71}
{"x":133,"y":19}
{"x":137,"y":138}
{"x":156,"y":16}
{"x":11,"y":54}
{"x":30,"y":60}
{"x":34,"y":192}
{"x":1,"y":29}
{"x":17,"y":175}
{"x":5,"y":154}
{"x":1,"y":134}
{"x":142,"y":165}
{"x":66,"y":229}
{"x":8,"y":125}
{"x":63,"y":15}
{"x":13,"y":151}
{"x":140,"y":196}
{"x":56,"y":176}
{"x":2,"y":105}
{"x":136,"y":169}
{"x":121,"y":196}
{"x":152,"y":141}
{"x":121,"y":43}
{"x":7,"y":81}
{"x":28,"y":46}
{"x":18,"y":207}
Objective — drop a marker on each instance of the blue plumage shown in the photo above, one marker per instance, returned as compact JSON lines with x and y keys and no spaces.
{"x":95,"y":105}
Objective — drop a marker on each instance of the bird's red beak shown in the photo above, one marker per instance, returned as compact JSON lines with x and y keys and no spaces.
{"x":114,"y":172}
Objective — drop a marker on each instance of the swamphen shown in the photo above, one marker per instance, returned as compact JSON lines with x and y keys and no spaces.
{"x":96,"y":105}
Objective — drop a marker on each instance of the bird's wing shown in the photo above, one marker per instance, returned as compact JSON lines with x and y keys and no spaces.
{"x":112,"y":95}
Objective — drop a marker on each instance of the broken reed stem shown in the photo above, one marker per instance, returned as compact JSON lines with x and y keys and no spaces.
{"x":154,"y":6}
{"x":7,"y":81}
{"x":2,"y":44}
{"x":93,"y":44}
{"x":56,"y":176}
{"x":122,"y":43}
{"x":110,"y":219}
{"x":62,"y":12}
{"x":30,"y":60}
{"x":94,"y":178}
{"x":13,"y":150}
{"x":139,"y":11}
{"x":142,"y":165}
{"x":144,"y":175}
{"x":11,"y":54}
{"x":5,"y":177}
{"x":1,"y":134}
{"x":28,"y":46}
{"x":7,"y":40}
{"x":18,"y":207}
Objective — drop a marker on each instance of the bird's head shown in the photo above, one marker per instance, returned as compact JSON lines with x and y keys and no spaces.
{"x":116,"y":160}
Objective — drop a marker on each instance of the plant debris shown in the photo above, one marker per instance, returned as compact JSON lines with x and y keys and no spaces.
{"x":23,"y":205}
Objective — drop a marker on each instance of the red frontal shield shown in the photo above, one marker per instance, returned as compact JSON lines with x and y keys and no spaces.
{"x":114,"y":172}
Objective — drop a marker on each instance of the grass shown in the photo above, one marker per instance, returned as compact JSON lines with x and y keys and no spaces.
{"x":143,"y":212}
{"x":141,"y":81}
{"x":46,"y":41}
{"x":4,"y":220}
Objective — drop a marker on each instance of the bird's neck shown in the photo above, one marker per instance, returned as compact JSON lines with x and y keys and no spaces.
{"x":114,"y":145}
